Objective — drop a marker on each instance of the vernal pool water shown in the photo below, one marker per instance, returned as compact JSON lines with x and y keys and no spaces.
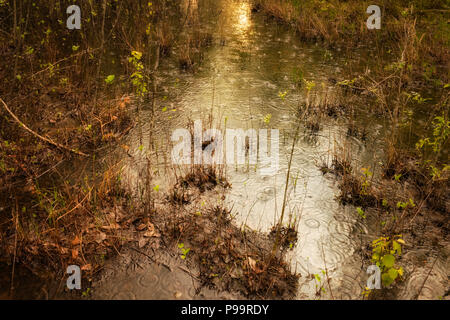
{"x":246,"y":76}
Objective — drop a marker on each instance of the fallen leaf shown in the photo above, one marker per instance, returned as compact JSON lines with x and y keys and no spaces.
{"x":252,"y":263}
{"x":112,"y":226}
{"x":141,"y":227}
{"x":151,"y":232}
{"x":142,"y":242}
{"x":108,"y":136}
{"x":100,"y":237}
{"x":74,"y":253}
{"x":76,"y":241}
{"x":86,"y":267}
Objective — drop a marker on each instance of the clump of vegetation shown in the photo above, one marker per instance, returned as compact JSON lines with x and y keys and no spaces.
{"x":358,"y":191}
{"x":227,"y":257}
{"x":288,"y":236}
{"x":180,"y":196}
{"x":385,"y":251}
{"x":203,"y":178}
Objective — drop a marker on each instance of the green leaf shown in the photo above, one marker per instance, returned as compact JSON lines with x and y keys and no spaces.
{"x":29,"y":50}
{"x":109,"y":79}
{"x":386,"y":279}
{"x":393,"y":273}
{"x":375,"y":256}
{"x":361,"y":212}
{"x":137,"y":54}
{"x":397,"y":247}
{"x":388,"y":260}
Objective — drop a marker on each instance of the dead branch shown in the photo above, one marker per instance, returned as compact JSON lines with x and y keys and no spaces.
{"x":49,"y":141}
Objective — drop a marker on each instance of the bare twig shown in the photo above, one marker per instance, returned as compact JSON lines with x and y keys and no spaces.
{"x":49,"y":141}
{"x":64,"y":59}
{"x":76,"y":206}
{"x":426,"y":278}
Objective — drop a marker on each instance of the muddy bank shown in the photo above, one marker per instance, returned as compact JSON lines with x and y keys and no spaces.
{"x":194,"y":250}
{"x":404,"y":226}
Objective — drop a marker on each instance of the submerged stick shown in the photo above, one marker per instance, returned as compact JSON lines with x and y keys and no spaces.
{"x":49,"y":141}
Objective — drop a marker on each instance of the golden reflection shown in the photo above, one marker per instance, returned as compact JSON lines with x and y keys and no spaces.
{"x":243,"y":22}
